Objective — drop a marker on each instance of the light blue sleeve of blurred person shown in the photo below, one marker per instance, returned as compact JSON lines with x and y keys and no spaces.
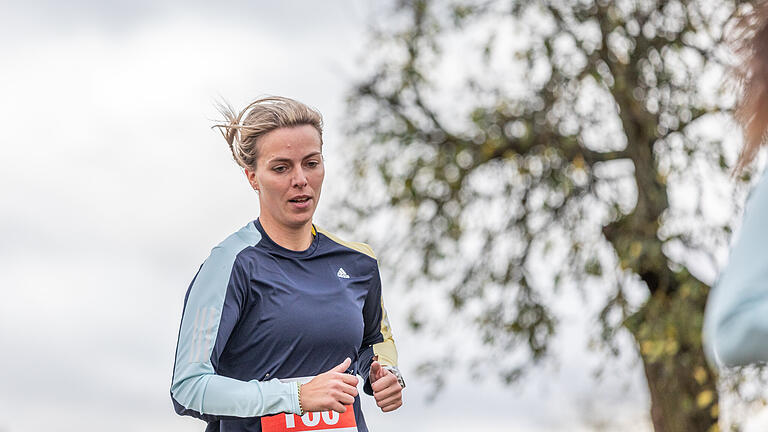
{"x":736,"y":318}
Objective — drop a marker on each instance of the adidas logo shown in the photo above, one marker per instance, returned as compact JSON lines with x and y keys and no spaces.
{"x":342,"y":274}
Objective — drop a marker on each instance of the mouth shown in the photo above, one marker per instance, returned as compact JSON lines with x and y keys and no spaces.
{"x":300,"y":199}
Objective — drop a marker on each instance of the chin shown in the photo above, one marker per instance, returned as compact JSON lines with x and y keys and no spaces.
{"x":299,"y":222}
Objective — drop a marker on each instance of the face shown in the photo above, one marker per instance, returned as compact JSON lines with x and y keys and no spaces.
{"x":288,"y":176}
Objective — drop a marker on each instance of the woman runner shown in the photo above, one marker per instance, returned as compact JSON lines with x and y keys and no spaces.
{"x":282,"y":315}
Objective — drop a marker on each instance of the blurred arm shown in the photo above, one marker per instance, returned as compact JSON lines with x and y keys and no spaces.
{"x":736,"y":319}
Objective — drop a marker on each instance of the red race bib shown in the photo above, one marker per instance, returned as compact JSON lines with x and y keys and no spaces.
{"x":325,"y":421}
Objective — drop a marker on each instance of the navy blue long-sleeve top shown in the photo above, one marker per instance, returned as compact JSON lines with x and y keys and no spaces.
{"x":257,"y":313}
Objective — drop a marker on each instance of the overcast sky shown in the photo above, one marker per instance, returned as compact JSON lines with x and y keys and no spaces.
{"x":113,"y":188}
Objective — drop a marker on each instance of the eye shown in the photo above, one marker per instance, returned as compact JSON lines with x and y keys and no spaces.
{"x":279,"y":168}
{"x":313,"y":163}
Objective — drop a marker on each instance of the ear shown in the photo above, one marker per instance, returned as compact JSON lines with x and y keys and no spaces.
{"x":251,"y":176}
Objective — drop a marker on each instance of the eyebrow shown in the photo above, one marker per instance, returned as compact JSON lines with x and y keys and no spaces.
{"x":290,"y":160}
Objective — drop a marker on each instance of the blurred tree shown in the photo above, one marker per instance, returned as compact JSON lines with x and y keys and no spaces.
{"x":532,"y":145}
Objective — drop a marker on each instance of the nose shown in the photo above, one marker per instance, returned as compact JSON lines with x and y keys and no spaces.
{"x":299,"y":180}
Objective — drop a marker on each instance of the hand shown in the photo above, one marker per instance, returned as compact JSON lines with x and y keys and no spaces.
{"x":386,"y":389}
{"x":330,"y":390}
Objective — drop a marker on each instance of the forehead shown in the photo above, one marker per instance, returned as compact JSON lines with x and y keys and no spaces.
{"x":290,"y":142}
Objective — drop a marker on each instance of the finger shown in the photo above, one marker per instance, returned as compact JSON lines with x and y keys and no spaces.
{"x":388,"y":392}
{"x":387,"y":381}
{"x":345,"y":399}
{"x":390,"y":400}
{"x":382,"y":373}
{"x":343,"y":366}
{"x":349,"y":379}
{"x":347,"y":389}
{"x":375,"y":373}
{"x":392,"y":407}
{"x":344,"y":379}
{"x":339,"y":407}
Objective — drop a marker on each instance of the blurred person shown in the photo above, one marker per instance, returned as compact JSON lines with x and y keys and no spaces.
{"x":282,"y":315}
{"x":736,"y":317}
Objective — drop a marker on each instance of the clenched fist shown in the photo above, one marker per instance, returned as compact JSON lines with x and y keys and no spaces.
{"x":330,"y":390}
{"x":386,"y":389}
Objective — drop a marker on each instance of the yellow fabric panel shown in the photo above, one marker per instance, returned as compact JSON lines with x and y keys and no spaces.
{"x":386,"y":350}
{"x":360,"y":247}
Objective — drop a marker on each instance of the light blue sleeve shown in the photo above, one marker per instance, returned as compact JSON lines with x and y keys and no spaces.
{"x":196,"y":387}
{"x":736,"y":318}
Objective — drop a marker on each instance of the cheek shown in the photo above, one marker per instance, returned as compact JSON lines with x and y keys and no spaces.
{"x":319,"y":178}
{"x":270,"y":185}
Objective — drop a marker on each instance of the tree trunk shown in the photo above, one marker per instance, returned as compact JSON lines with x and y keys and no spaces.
{"x":668,"y":334}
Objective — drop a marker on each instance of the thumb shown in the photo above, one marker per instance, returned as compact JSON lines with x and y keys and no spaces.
{"x":375,"y":371}
{"x":343,"y":366}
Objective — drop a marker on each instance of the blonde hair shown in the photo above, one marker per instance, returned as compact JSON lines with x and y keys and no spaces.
{"x":750,"y":42}
{"x":242,"y":130}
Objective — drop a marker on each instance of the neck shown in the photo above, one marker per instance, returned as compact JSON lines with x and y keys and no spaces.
{"x":295,"y":239}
